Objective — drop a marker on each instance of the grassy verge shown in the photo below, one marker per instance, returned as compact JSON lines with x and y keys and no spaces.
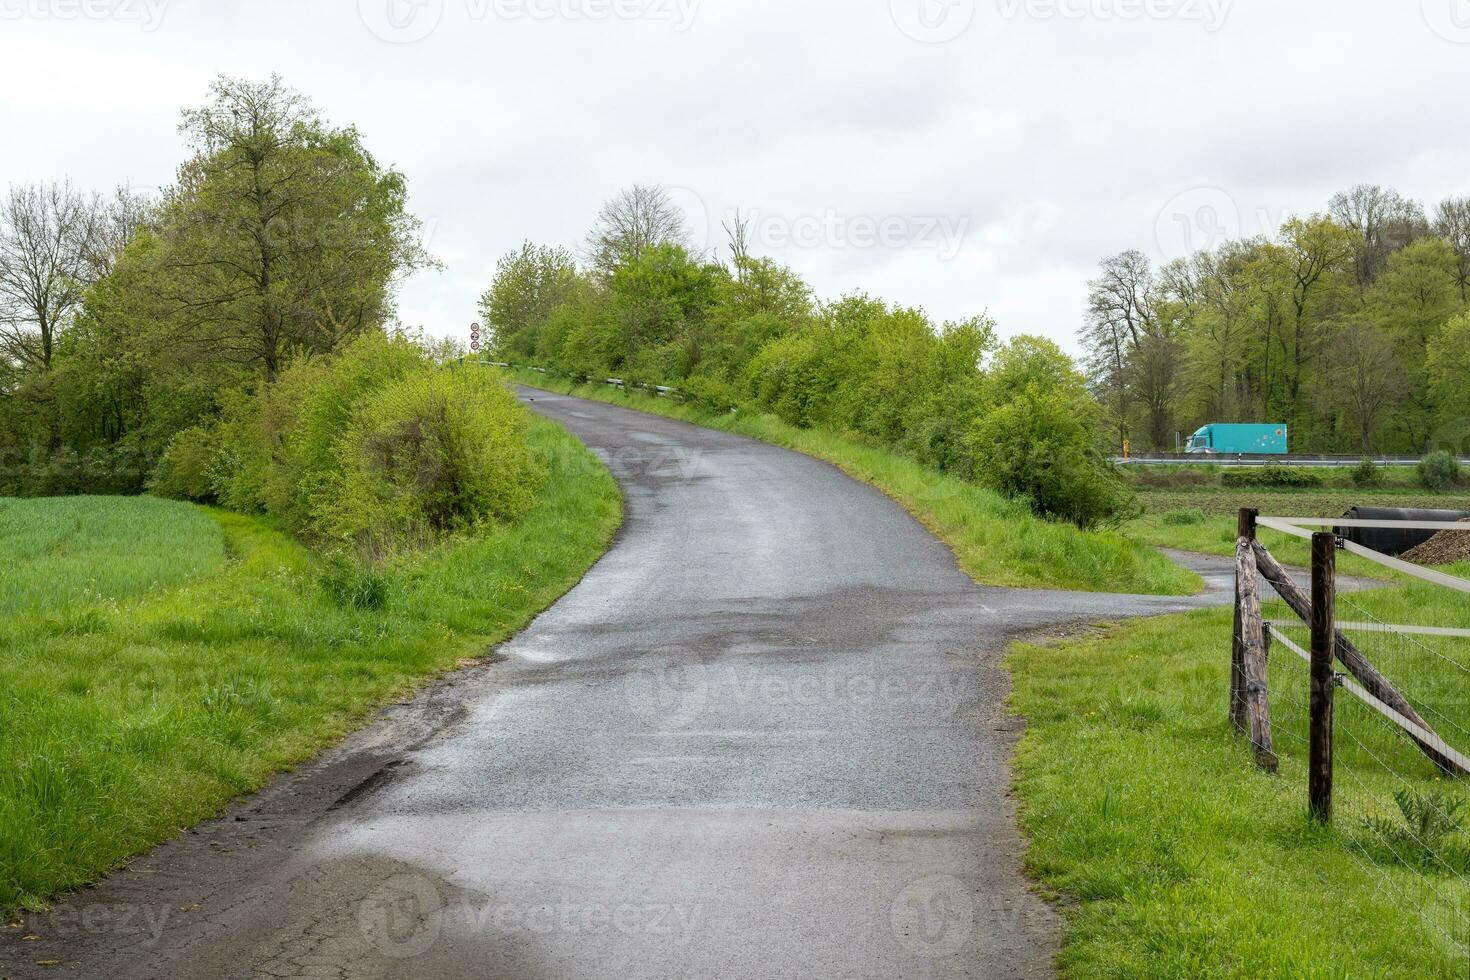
{"x":997,"y":541}
{"x":1183,"y":859}
{"x":140,"y":693}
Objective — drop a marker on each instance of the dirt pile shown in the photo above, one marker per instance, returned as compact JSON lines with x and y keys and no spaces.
{"x":1445,"y":548}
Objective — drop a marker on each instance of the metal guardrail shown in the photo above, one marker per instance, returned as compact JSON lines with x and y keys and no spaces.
{"x":663,"y":390}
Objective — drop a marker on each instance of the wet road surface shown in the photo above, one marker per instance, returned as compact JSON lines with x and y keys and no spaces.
{"x":765,"y":737}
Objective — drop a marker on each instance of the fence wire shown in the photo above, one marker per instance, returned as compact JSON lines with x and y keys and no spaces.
{"x":1399,"y":815}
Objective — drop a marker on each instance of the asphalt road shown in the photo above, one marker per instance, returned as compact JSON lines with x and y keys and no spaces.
{"x":764,"y":737}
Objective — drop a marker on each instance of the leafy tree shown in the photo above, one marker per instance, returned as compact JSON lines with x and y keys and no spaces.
{"x":1447,"y":367}
{"x":1039,"y":442}
{"x":529,"y":285}
{"x":283,"y":234}
{"x":659,"y":304}
{"x":1365,"y":377}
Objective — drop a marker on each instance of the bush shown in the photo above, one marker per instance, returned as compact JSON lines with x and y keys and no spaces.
{"x":711,"y":394}
{"x":1271,"y":475}
{"x":1439,"y":470}
{"x":1185,"y":517}
{"x":279,"y":443}
{"x":187,"y":468}
{"x":1367,"y":474}
{"x":1038,"y":445}
{"x":439,"y":451}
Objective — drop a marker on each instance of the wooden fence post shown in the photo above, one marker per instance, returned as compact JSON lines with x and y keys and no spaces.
{"x":1253,"y":656}
{"x":1245,"y":528}
{"x":1324,"y":679}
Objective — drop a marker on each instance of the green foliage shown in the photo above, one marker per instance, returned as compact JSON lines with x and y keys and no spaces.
{"x":1185,"y":517}
{"x":1342,"y":325}
{"x":1427,"y":835}
{"x":1271,"y":475}
{"x":1367,"y":474}
{"x":186,"y":469}
{"x":1440,"y":470}
{"x":1447,"y":367}
{"x":1038,"y":443}
{"x":280,"y":240}
{"x":528,"y":287}
{"x":279,"y":443}
{"x":711,"y":394}
{"x":438,"y":451}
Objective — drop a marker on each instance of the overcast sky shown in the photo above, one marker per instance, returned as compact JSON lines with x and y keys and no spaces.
{"x":959,"y":155}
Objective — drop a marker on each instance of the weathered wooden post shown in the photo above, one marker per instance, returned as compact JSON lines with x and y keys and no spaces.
{"x":1324,"y":679}
{"x":1245,"y":528}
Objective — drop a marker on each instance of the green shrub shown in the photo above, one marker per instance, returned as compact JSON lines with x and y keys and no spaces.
{"x":1427,"y":836}
{"x":186,"y":469}
{"x":1367,"y":474}
{"x":1439,"y":470}
{"x":1038,"y":444}
{"x":1185,"y":517}
{"x":439,"y":451}
{"x":711,"y":393}
{"x":1271,"y":475}
{"x":279,"y":442}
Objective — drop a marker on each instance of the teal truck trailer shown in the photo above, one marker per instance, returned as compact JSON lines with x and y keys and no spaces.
{"x":1265,"y":438}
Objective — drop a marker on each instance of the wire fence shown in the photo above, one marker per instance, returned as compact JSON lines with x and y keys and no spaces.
{"x":1399,"y":751}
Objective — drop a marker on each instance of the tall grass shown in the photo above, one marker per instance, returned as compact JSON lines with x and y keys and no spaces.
{"x":996,"y":541}
{"x":145,"y":679}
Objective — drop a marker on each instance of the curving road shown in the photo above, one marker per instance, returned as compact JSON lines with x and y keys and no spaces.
{"x":765,"y":737}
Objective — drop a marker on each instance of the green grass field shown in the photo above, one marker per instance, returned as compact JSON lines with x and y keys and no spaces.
{"x":1179,"y":858}
{"x":997,"y":541}
{"x":158,"y":658}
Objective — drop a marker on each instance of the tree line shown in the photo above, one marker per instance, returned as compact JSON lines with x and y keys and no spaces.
{"x":737,"y":329}
{"x":1352,"y":326}
{"x":127,"y":319}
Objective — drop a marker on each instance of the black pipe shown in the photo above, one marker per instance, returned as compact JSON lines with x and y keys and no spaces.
{"x":1394,"y":540}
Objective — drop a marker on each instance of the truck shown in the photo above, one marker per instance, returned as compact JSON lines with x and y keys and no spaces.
{"x":1263,"y":438}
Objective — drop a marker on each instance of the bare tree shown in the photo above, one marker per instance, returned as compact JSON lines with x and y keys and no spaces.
{"x":636,"y":219}
{"x":118,"y":220}
{"x":1126,"y":349}
{"x":1384,"y":219}
{"x":1452,"y":223}
{"x":1365,"y":376}
{"x":46,"y":235}
{"x":738,"y":231}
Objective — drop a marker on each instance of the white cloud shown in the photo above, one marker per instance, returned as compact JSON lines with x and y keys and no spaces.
{"x":1051,"y":132}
